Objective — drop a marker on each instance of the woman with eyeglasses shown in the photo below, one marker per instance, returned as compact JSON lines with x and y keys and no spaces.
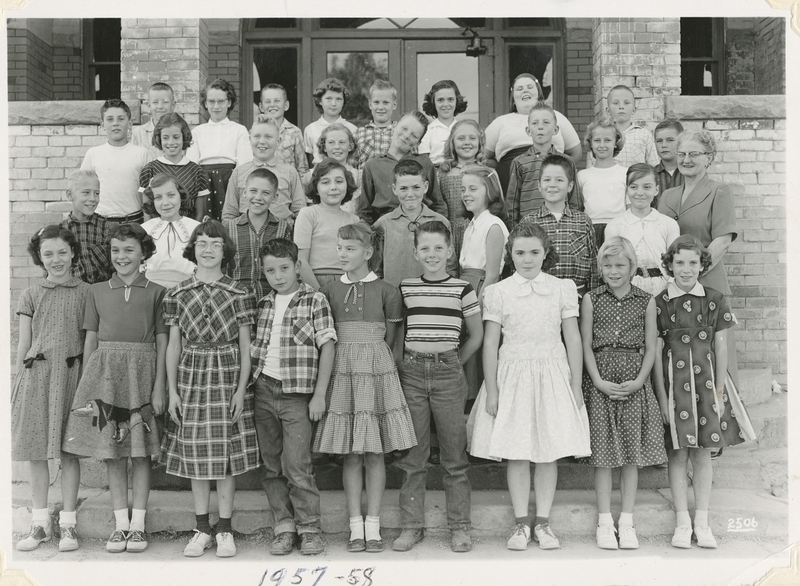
{"x":705,"y":209}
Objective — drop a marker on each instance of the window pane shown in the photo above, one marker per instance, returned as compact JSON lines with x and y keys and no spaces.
{"x":535,"y":59}
{"x":276,"y":65}
{"x":357,"y":71}
{"x":107,"y":33}
{"x":106,"y":82}
{"x":529,"y":22}
{"x":461,"y":69}
{"x":276,"y":23}
{"x":697,"y":36}
{"x":699,"y":78}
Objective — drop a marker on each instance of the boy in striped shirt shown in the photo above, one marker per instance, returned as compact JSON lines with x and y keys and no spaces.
{"x":433,"y":383}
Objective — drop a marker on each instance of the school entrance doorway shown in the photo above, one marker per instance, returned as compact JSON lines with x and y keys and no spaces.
{"x":481,"y":55}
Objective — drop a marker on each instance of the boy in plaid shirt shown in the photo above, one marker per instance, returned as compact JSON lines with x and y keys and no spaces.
{"x":292,"y":357}
{"x":91,"y":229}
{"x":570,"y":230}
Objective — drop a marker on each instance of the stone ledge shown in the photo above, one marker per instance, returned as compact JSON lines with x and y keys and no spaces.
{"x":725,"y":107}
{"x":62,"y":112}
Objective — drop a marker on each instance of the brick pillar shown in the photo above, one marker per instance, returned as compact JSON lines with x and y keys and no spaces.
{"x":172,"y":50}
{"x":642,"y":53}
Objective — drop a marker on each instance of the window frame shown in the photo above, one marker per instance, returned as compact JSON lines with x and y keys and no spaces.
{"x":89,"y":65}
{"x":717,"y":57}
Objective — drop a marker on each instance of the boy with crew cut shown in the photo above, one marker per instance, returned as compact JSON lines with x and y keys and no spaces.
{"x":398,"y":227}
{"x":252,"y":229}
{"x":118,"y":164}
{"x":275,"y":103}
{"x":161,"y":100}
{"x":639,"y":146}
{"x":289,"y":198}
{"x":433,"y":382}
{"x":374,"y":138}
{"x":377,"y":194}
{"x":666,"y":137}
{"x":523,"y":195}
{"x":290,"y":375}
{"x":90,"y":228}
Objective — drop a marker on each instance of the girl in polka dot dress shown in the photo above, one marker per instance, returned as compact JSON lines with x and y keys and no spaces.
{"x":618,"y":330}
{"x":698,"y":401}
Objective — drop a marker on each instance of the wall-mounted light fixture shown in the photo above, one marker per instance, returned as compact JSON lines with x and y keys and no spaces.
{"x":475,"y":47}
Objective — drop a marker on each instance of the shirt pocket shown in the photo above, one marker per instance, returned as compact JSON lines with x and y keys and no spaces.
{"x":577,"y":245}
{"x":303,"y":332}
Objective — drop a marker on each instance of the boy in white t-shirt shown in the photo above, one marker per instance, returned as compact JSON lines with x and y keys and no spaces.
{"x":118,"y":164}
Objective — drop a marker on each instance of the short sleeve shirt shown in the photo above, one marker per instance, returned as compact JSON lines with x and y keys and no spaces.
{"x":368,"y":300}
{"x":125,"y":313}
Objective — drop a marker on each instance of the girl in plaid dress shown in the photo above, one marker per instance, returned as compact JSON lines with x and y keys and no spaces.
{"x":211,"y":433}
{"x":367,"y":414}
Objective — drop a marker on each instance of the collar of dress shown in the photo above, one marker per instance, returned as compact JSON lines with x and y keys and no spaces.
{"x":673,"y":291}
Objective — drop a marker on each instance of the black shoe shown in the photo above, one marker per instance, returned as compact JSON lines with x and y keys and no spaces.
{"x":435,"y":457}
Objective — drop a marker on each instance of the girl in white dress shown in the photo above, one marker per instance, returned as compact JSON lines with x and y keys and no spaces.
{"x":530,"y":407}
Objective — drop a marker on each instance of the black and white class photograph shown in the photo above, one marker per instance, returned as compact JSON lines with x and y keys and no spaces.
{"x":327,"y":295}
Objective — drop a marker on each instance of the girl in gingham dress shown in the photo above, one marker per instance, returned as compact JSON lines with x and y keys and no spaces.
{"x":211,"y":434}
{"x":618,"y":331}
{"x":367,"y":414}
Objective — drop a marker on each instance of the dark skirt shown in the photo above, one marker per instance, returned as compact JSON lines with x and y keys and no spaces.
{"x":219,"y":175}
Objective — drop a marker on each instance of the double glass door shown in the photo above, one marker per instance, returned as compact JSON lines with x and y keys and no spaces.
{"x":413,"y":66}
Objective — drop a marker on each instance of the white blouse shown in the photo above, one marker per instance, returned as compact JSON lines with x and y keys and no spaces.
{"x":167,"y":266}
{"x":473,"y":249}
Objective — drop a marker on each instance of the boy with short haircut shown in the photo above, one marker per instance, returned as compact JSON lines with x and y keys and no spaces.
{"x":399,"y":226}
{"x":330,"y":98}
{"x":290,"y":376}
{"x":161,"y":100}
{"x":91,"y":229}
{"x":375,"y":137}
{"x":290,"y":197}
{"x":256,"y":226}
{"x":433,"y":383}
{"x":639,"y":146}
{"x":570,"y":231}
{"x":275,"y":104}
{"x":666,"y":139}
{"x":118,"y":164}
{"x":523,"y":195}
{"x":377,"y":192}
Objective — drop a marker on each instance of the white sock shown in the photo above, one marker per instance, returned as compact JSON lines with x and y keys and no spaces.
{"x":372,"y":528}
{"x":137,"y":519}
{"x":682,"y":518}
{"x":626,"y":519}
{"x":65,"y":518}
{"x":123,"y":524}
{"x":605,"y":520}
{"x":701,"y":518}
{"x":356,"y":528}
{"x":41,"y":517}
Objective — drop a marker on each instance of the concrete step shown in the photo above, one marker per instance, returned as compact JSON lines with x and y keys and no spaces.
{"x":746,"y":512}
{"x":770,"y":421}
{"x":755,"y":385}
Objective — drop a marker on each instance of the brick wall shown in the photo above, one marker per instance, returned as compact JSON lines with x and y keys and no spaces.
{"x":750,"y":133}
{"x":172,"y":50}
{"x":224,"y":52}
{"x":67,"y":73}
{"x":739,"y":62}
{"x":770,"y":56}
{"x":580,"y":100}
{"x":641,"y":53}
{"x":30,"y":66}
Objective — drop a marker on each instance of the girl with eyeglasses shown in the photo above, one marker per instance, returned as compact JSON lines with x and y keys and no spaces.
{"x":220,"y":144}
{"x":211,"y":434}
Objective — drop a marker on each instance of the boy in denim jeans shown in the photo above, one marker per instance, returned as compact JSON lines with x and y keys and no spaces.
{"x":292,"y":357}
{"x":433,"y":383}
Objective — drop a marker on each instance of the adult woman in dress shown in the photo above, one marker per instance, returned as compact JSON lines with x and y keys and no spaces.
{"x":507,"y":137}
{"x":704,"y":208}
